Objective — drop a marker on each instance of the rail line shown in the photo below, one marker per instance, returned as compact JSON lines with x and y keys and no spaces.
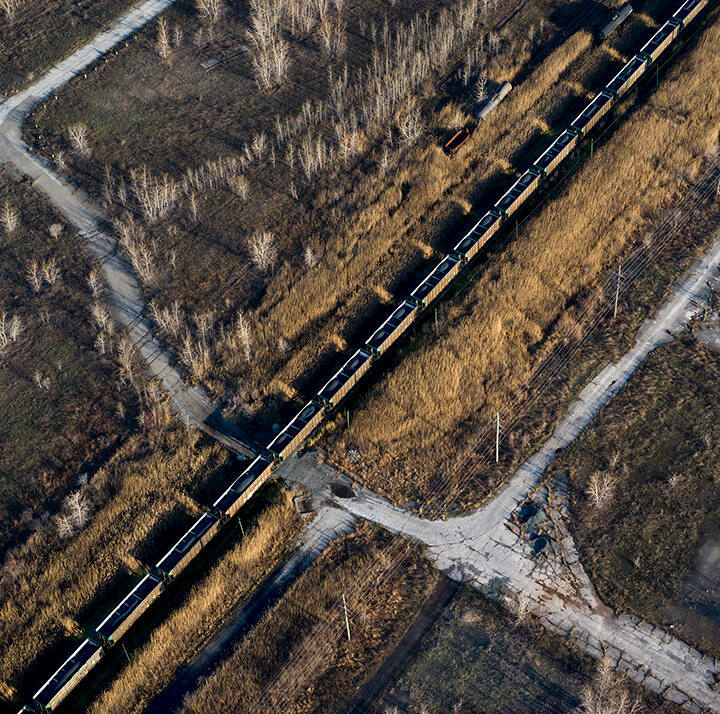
{"x":89,"y":653}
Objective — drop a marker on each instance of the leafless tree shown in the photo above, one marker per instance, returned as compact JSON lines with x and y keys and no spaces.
{"x":600,"y":489}
{"x":244,"y":333}
{"x":272,"y":64}
{"x":411,"y":127}
{"x":78,"y":508}
{"x":241,"y":186}
{"x":310,"y":258}
{"x":209,"y":10}
{"x":480,"y":90}
{"x":94,"y":283}
{"x":9,"y":7}
{"x":55,"y":230}
{"x":34,"y":276}
{"x":608,"y":693}
{"x":334,"y":37}
{"x":51,"y":271}
{"x":79,"y":138}
{"x":9,"y":218}
{"x":101,"y":315}
{"x":163,"y":46}
{"x":177,"y":36}
{"x":263,"y":250}
{"x":41,"y":381}
{"x":259,"y":144}
{"x":65,"y":526}
{"x":10,"y":329}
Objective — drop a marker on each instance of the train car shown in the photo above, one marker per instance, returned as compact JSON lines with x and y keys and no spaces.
{"x":67,"y":677}
{"x":593,"y":112}
{"x":180,"y":555}
{"x":627,"y":76}
{"x":346,"y":377}
{"x":243,"y":488}
{"x":116,"y":624}
{"x":392,"y":328}
{"x":478,"y":236}
{"x":688,"y":11}
{"x":660,"y":41}
{"x":454,"y":144}
{"x":296,"y":431}
{"x":495,"y":98}
{"x":551,"y":158}
{"x":435,"y":283}
{"x":615,"y":21}
{"x":518,"y":192}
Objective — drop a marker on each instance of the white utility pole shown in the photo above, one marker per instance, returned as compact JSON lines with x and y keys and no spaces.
{"x":347,"y":621}
{"x":617,"y":293}
{"x":497,"y":438}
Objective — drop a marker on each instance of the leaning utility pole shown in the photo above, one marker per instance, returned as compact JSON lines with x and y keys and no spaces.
{"x":497,"y":438}
{"x":347,"y":621}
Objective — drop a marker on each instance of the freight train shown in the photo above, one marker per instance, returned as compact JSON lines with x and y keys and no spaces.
{"x":112,"y":628}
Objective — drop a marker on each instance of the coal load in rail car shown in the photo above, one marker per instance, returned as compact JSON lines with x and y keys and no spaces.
{"x":180,"y":555}
{"x":240,"y":491}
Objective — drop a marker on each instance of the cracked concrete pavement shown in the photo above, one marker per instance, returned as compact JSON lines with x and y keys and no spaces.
{"x":125,"y":297}
{"x":485,"y":550}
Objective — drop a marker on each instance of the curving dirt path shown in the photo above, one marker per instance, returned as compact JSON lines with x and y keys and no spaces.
{"x":487,"y":550}
{"x":125,"y":297}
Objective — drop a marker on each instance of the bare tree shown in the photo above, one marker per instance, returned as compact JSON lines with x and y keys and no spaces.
{"x":51,"y":271}
{"x":263,"y":250}
{"x":177,"y":36}
{"x":34,"y":276}
{"x":163,"y":46}
{"x":411,"y":127}
{"x":244,"y":333}
{"x":334,"y":37}
{"x":241,"y":186}
{"x":480,"y":90}
{"x":600,"y":489}
{"x":608,"y":693}
{"x":79,"y":138}
{"x":94,"y":283}
{"x":78,"y":508}
{"x":310,"y":258}
{"x":209,"y":10}
{"x":65,"y":527}
{"x":55,"y":230}
{"x":9,"y":7}
{"x":10,"y":329}
{"x":9,"y":218}
{"x":272,"y":64}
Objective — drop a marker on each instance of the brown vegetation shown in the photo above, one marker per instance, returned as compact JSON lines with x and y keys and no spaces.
{"x":60,"y":400}
{"x":34,"y":34}
{"x":227,"y":583}
{"x":140,"y":500}
{"x":331,"y":668}
{"x":496,"y":334}
{"x":323,"y":169}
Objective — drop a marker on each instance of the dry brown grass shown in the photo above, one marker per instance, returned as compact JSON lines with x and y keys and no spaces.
{"x":504,"y":326}
{"x":229,"y":581}
{"x":146,"y":483}
{"x":336,"y":667}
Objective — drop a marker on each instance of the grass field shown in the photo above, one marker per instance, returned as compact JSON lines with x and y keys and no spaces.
{"x":137,"y":505}
{"x":41,"y":32}
{"x":657,"y":446}
{"x":359,"y":229}
{"x":331,"y":668}
{"x":59,"y":396}
{"x":479,"y":658}
{"x":410,"y":427}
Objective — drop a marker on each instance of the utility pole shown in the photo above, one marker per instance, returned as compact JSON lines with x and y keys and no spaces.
{"x":497,"y":438}
{"x":592,"y":146}
{"x":436,"y":308}
{"x":347,"y":418}
{"x":242,"y":530}
{"x":126,"y":653}
{"x":347,"y":621}
{"x":617,"y":293}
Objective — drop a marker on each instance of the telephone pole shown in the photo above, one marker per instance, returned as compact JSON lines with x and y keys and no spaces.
{"x":347,"y":621}
{"x":497,"y":438}
{"x":617,"y":293}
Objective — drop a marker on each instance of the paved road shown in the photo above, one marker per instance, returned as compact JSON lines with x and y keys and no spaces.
{"x":125,"y":297}
{"x":484,"y":550}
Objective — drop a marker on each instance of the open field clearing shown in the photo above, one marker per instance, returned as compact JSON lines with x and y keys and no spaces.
{"x":134,"y":509}
{"x":62,"y":403}
{"x":509,"y":320}
{"x":479,"y":658}
{"x":34,"y":34}
{"x":332,"y":678}
{"x":361,"y":224}
{"x":644,"y":503}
